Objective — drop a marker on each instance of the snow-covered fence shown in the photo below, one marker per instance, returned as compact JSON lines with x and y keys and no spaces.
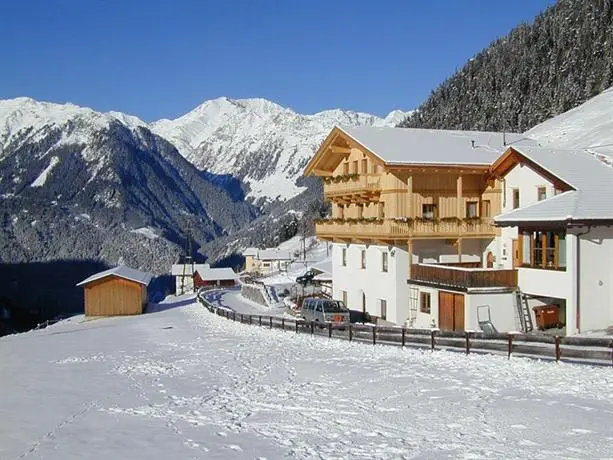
{"x":572,"y":349}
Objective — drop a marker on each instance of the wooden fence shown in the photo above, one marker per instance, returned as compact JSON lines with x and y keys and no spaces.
{"x":596,"y":351}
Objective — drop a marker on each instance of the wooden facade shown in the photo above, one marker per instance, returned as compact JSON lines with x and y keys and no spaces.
{"x":393,"y":204}
{"x":464,"y":277}
{"x":450,"y":311}
{"x":114,"y":296}
{"x":199,"y":282}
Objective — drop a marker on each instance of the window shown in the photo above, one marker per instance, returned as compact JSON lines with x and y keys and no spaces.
{"x":344,"y":297}
{"x":374,"y":168}
{"x":354,"y":169}
{"x":383,"y":309}
{"x":360,"y":211}
{"x":381,"y":210}
{"x":541,"y":193}
{"x":428,"y":211}
{"x":345,"y":168}
{"x":363,"y":258}
{"x":344,"y":257}
{"x":424,"y":302}
{"x":556,"y":191}
{"x":471,"y":209}
{"x":364,"y":166}
{"x":486,"y":209}
{"x":543,"y":249}
{"x":515,"y":198}
{"x":384,"y":262}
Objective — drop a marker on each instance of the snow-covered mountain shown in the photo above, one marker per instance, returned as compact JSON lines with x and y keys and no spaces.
{"x":588,"y":126}
{"x":79,"y":184}
{"x":257,"y":141}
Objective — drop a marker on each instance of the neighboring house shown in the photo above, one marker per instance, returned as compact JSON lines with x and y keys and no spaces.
{"x":118,"y":291}
{"x":412,"y":222}
{"x":558,"y":232}
{"x":210,"y":277}
{"x":184,"y":276}
{"x":266,"y":261}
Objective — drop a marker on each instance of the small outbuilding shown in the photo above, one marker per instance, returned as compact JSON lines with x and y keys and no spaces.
{"x":210,"y":277}
{"x":118,"y":291}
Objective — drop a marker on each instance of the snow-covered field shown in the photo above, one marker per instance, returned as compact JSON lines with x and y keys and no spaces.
{"x":182,"y":383}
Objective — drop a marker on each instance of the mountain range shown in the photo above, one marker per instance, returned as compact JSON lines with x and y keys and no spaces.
{"x":80,"y":184}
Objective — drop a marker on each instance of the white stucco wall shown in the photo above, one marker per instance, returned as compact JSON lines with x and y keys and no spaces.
{"x":372,"y":281}
{"x":596,"y":279}
{"x":527,"y":181}
{"x":502,"y":310}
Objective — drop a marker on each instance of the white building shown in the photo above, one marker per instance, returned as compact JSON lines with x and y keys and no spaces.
{"x":184,"y":276}
{"x":558,"y":232}
{"x":265,"y":261}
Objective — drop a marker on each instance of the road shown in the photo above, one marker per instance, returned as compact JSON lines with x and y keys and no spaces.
{"x":233,"y":300}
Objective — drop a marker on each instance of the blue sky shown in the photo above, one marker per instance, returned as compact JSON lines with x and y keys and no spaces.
{"x":160,"y":59}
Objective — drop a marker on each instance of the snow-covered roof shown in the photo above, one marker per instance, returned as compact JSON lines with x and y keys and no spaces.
{"x":273,"y":254}
{"x":253,"y":252}
{"x":323,"y":277}
{"x":122,"y":272}
{"x":591,"y":179}
{"x":325,"y":266}
{"x":397,"y":146}
{"x":178,"y":269}
{"x":214,"y":274}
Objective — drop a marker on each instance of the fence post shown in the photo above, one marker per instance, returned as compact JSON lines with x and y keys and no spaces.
{"x":558,"y":353}
{"x":296,"y":326}
{"x":510,"y":345}
{"x":233,"y":316}
{"x":611,"y":345}
{"x":374,"y":335}
{"x":467,"y":333}
{"x":351,"y":334}
{"x":312,"y":327}
{"x":260,"y":320}
{"x":241,"y":317}
{"x":404,"y":333}
{"x":282,"y":323}
{"x":329,"y":330}
{"x":270,"y":321}
{"x":250,"y":319}
{"x":432,"y":332}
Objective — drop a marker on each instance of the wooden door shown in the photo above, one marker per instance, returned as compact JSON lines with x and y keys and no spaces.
{"x":516,"y":262}
{"x":490,"y":260}
{"x":450,"y":311}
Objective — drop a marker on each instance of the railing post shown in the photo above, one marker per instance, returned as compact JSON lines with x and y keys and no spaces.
{"x":432,"y":342}
{"x":312,"y":327}
{"x":250,"y":319}
{"x":510,"y":339}
{"x":467,"y":333}
{"x":282,"y":323}
{"x":558,"y":352}
{"x":260,"y":320}
{"x":296,"y":326}
{"x":241,"y":317}
{"x":351,"y":335}
{"x":233,"y":316}
{"x":611,"y":345}
{"x":329,"y":330}
{"x":374,"y":335}
{"x":404,"y":333}
{"x":270,"y":321}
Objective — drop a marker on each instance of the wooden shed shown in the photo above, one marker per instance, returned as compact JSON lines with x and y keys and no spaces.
{"x":210,"y":277}
{"x":118,"y":291}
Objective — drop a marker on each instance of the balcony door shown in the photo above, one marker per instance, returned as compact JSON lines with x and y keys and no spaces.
{"x":450,"y":311}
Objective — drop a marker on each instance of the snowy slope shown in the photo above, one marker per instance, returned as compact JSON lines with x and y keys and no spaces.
{"x":588,"y":126}
{"x":258,"y":141}
{"x":185,"y":384}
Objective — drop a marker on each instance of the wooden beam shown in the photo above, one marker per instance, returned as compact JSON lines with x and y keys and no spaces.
{"x":337,"y":149}
{"x":410,"y":211}
{"x":459,"y":250}
{"x":459,"y":211}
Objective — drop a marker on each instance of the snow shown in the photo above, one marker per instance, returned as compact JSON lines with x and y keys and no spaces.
{"x":147,"y":232}
{"x":183,"y":383}
{"x":42,"y":178}
{"x":588,"y":126}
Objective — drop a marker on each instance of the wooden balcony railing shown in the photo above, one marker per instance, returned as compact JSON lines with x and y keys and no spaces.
{"x":356,"y":185}
{"x":464,"y":277}
{"x":390,"y":228}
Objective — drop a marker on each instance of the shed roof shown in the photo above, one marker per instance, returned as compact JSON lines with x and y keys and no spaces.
{"x":122,"y":272}
{"x":214,"y":274}
{"x":177,"y":269}
{"x":250,"y":252}
{"x":398,"y":146}
{"x":590,"y":178}
{"x":274,"y":254}
{"x":325,"y":266}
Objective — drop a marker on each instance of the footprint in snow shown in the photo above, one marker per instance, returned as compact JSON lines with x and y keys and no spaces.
{"x":580,"y":431}
{"x":234,"y":447}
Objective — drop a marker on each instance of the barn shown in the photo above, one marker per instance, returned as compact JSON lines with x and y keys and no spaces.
{"x":118,"y":291}
{"x":210,"y":277}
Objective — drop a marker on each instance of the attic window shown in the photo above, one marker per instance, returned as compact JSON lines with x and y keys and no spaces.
{"x":541,"y":193}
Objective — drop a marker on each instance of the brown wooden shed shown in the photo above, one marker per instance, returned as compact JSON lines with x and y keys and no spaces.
{"x":118,"y":291}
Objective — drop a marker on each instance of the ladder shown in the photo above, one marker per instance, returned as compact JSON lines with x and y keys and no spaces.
{"x":523,"y":311}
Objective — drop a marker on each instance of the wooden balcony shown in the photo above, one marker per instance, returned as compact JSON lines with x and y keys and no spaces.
{"x":390,"y":229}
{"x":459,"y":277}
{"x":364,"y":186}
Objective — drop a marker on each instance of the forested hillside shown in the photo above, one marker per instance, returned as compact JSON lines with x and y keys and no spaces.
{"x":537,"y":71}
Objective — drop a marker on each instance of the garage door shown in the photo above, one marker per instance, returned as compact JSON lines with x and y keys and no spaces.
{"x":450,"y":311}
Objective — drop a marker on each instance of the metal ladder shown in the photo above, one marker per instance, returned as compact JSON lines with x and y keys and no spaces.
{"x":523,"y":311}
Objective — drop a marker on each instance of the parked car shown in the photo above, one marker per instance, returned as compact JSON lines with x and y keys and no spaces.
{"x":325,"y":311}
{"x":306,"y":278}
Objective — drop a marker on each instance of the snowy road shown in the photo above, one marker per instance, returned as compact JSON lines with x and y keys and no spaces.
{"x":233,"y":300}
{"x":185,"y":384}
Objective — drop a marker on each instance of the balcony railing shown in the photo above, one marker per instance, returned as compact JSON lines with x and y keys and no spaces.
{"x":390,"y":228}
{"x":355,"y":185}
{"x":464,"y":277}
